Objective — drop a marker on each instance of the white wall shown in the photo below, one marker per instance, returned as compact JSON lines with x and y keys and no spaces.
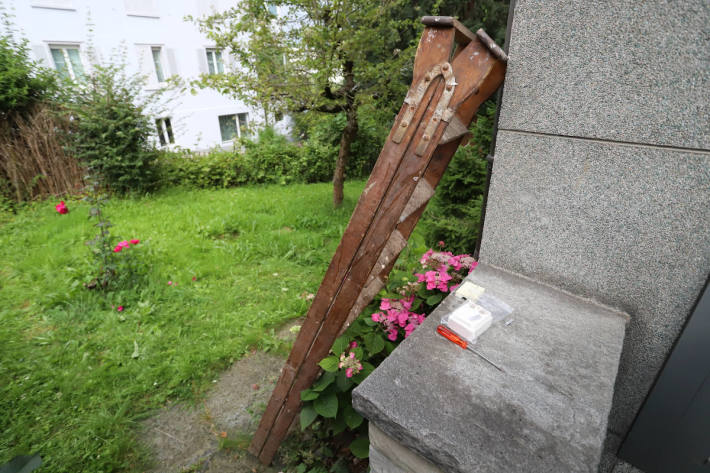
{"x":136,"y":25}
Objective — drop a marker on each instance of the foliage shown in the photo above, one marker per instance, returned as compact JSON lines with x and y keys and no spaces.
{"x":395,"y":313}
{"x":454,"y":212}
{"x":329,"y":57}
{"x":32,"y":161}
{"x":77,"y":375}
{"x":270,"y":159}
{"x":111,"y":130}
{"x":23,"y":82}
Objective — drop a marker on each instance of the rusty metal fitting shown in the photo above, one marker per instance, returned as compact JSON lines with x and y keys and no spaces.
{"x":426,"y":137}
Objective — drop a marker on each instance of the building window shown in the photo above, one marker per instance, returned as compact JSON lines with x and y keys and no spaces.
{"x":158,"y":63}
{"x":165,"y":131}
{"x":67,"y":61}
{"x":214,"y":61}
{"x":233,"y":126}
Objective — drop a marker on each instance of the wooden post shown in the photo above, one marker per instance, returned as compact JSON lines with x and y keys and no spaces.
{"x":440,"y":105}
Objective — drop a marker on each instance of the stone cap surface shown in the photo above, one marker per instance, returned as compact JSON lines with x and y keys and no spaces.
{"x":546,"y":413}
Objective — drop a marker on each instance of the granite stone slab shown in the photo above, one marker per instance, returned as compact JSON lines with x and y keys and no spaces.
{"x":628,"y":70}
{"x":546,"y":413}
{"x":628,"y":226}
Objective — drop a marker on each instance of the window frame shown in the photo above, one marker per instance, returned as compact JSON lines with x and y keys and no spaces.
{"x":217,"y":64}
{"x":237,"y":125}
{"x":64,"y":48}
{"x":159,"y":64}
{"x":164,"y":128}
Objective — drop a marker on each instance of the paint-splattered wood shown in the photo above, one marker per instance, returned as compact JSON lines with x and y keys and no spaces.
{"x":399,"y":197}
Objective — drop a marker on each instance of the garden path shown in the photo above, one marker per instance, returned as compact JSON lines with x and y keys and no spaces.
{"x":191,"y":438}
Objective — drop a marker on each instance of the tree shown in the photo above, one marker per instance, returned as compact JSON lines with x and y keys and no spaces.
{"x":317,"y":56}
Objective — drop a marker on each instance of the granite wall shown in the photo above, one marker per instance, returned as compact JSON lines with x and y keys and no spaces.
{"x":601,"y":180}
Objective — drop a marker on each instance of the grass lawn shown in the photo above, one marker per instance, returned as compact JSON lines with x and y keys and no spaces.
{"x":76,"y":375}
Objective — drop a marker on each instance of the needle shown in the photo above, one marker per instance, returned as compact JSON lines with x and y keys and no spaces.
{"x":453,"y":337}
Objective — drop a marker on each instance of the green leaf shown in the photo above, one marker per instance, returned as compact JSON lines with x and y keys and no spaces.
{"x":434,"y":299}
{"x":339,"y":346}
{"x":374,"y":343}
{"x":327,"y":405}
{"x":340,"y":466}
{"x":308,"y":395}
{"x":329,"y":363}
{"x":360,"y":446}
{"x":352,"y":418}
{"x":342,"y":381}
{"x":338,"y":426}
{"x":323,"y":382}
{"x":308,"y":415}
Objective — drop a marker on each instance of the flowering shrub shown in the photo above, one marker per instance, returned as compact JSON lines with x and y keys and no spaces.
{"x":395,"y":313}
{"x":110,"y":268}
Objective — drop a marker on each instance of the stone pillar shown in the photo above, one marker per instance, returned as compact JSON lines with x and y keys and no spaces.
{"x":601,"y":180}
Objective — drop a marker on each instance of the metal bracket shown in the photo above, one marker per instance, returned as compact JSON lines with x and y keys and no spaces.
{"x":414,"y":99}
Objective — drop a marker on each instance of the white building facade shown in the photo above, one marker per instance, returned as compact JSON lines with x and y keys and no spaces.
{"x":158,"y":42}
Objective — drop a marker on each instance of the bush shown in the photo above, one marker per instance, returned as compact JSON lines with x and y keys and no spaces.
{"x":23,"y":83}
{"x":111,"y":131}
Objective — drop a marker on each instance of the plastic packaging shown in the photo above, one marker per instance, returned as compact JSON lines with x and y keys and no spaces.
{"x":477,"y":312}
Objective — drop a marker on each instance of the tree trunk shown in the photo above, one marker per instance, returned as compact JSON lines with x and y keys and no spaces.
{"x":348,"y":135}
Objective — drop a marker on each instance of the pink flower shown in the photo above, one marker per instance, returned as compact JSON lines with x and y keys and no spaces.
{"x":120,"y":308}
{"x":420,"y":277}
{"x":170,"y":283}
{"x":124,"y":244}
{"x":117,"y":249}
{"x":376,"y":317}
{"x":409,"y":329}
{"x":385,"y":304}
{"x":349,"y":373}
{"x":402,"y":318}
{"x":352,"y":355}
{"x":392,"y":334}
{"x":473,"y":266}
{"x":340,"y":365}
{"x":442,"y":244}
{"x":426,"y":256}
{"x":135,"y":241}
{"x":407,"y":303}
{"x":194,"y":278}
{"x":61,"y":208}
{"x":353,"y":344}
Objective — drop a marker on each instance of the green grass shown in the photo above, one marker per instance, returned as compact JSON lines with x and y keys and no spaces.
{"x":72,"y":384}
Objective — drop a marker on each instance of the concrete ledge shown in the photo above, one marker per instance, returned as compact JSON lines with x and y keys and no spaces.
{"x":548,"y":411}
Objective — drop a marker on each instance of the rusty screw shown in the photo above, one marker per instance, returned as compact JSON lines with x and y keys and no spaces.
{"x":449,"y":87}
{"x":426,"y":137}
{"x":435,"y":119}
{"x":404,"y":124}
{"x":427,"y":77}
{"x":445,"y":67}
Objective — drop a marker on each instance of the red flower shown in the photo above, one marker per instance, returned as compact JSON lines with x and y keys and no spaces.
{"x":117,"y":249}
{"x":120,"y":308}
{"x":61,"y":208}
{"x":135,"y":241}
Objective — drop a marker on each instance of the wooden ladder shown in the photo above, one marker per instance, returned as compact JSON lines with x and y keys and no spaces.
{"x":454,"y":72}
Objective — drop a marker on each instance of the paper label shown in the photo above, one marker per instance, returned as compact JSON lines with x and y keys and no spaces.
{"x":469,"y":291}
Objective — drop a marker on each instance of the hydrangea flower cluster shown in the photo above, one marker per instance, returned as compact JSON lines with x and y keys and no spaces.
{"x":125,"y":244}
{"x":439,"y":263}
{"x":397,"y":314}
{"x":348,"y":362}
